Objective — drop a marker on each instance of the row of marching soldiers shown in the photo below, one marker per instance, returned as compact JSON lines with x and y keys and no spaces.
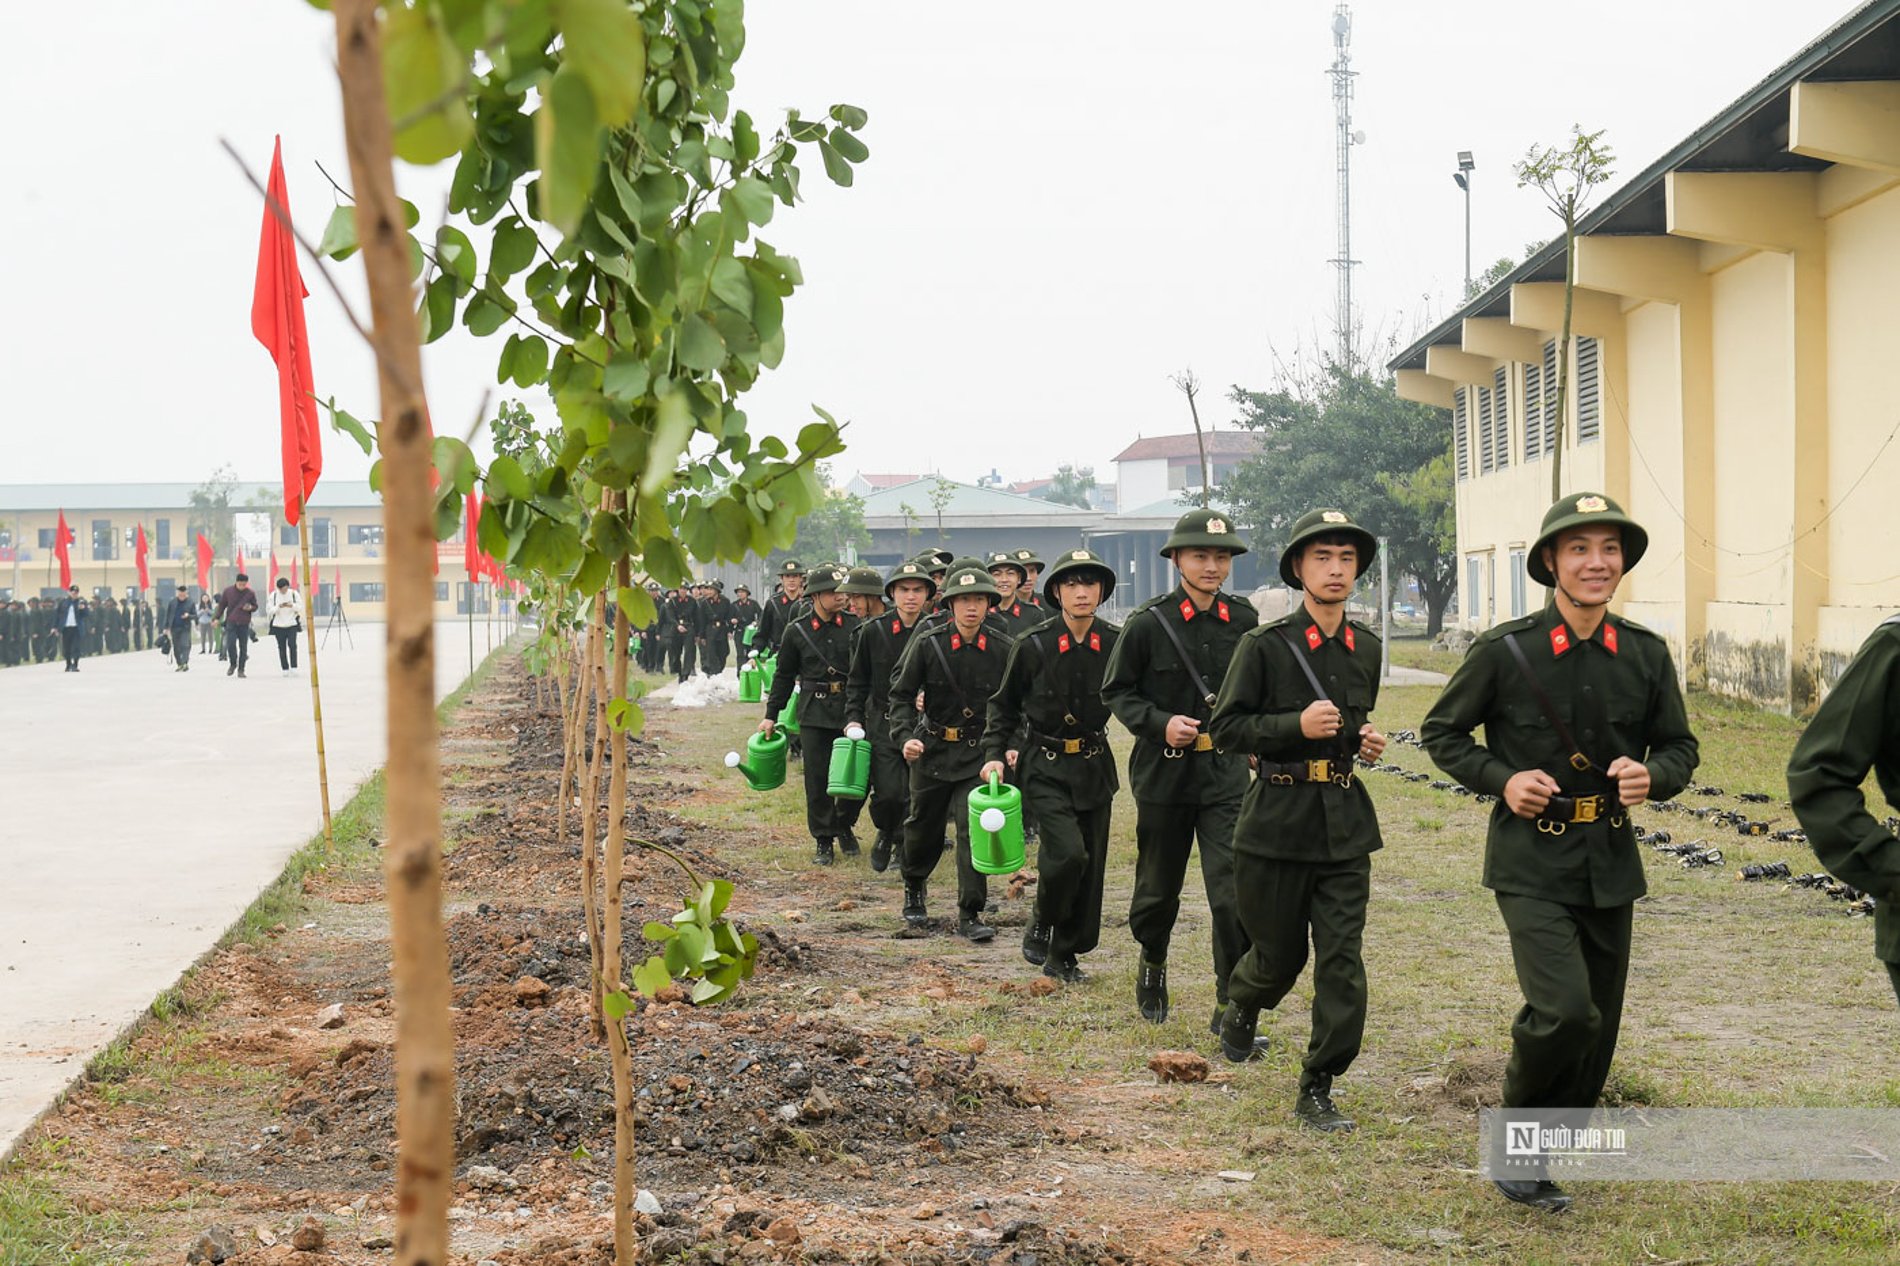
{"x":963,"y":672}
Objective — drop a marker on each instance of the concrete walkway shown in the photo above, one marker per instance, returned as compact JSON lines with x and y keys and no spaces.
{"x":141,"y":811}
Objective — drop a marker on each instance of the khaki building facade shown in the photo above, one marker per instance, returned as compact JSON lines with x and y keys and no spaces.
{"x":346,"y":538}
{"x":1732,"y":384}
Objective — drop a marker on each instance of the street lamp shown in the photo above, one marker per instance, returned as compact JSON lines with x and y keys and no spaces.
{"x":1463,"y":177}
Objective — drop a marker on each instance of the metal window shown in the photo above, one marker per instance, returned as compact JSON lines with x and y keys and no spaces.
{"x":1474,"y":579}
{"x":1517,"y":583}
{"x":1589,"y":390}
{"x":104,"y":546}
{"x":1460,"y":441}
{"x":162,"y":539}
{"x":366,"y":591}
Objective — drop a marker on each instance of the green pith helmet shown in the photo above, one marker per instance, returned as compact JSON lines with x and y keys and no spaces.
{"x":1204,"y":529}
{"x":1006,"y":558}
{"x":791,"y":567}
{"x":967,"y":575}
{"x":1027,"y":557}
{"x":911,"y":570}
{"x":1326,"y":522}
{"x":1580,"y":510}
{"x":1069,"y":563}
{"x":865,"y":581}
{"x":942,"y":558}
{"x":824,"y":580}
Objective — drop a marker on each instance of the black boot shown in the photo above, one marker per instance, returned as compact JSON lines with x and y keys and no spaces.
{"x":1064,"y":968}
{"x":915,"y":892}
{"x":847,"y":843}
{"x":1035,"y":942}
{"x":1237,"y":1034}
{"x":1315,"y":1107}
{"x":1260,"y":1043}
{"x":1539,"y":1194}
{"x":1151,"y":991}
{"x":881,"y":852}
{"x":972,"y":928}
{"x":821,"y":856}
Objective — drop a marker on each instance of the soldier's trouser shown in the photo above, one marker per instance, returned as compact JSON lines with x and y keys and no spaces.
{"x":1071,"y":867}
{"x":1280,"y":901}
{"x":1571,"y":962}
{"x":1893,"y":975}
{"x":822,"y":814}
{"x":675,"y":648}
{"x":890,"y":787}
{"x":1164,"y":836}
{"x":932,"y":803}
{"x":716,"y":653}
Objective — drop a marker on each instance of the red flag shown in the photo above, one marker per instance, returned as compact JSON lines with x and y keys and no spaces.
{"x":273,"y":569}
{"x":238,"y":562}
{"x":205,"y":556}
{"x":62,"y":539}
{"x":471,"y":524}
{"x":277,"y":321}
{"x":138,"y":555}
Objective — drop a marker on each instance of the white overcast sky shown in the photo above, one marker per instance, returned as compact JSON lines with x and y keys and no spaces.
{"x":1065,"y":203}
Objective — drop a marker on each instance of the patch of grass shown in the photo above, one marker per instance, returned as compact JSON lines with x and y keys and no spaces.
{"x":1414,"y":650}
{"x":41,"y":1226}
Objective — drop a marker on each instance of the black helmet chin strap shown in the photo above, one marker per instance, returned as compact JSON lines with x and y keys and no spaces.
{"x":1574,"y":600}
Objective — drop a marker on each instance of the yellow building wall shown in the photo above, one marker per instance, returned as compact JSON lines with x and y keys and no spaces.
{"x":1653,"y":593}
{"x":1747,"y":645}
{"x":1863,"y":303}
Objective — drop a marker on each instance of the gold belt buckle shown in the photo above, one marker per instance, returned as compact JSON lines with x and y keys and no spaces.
{"x":1203,"y":742}
{"x":1319,"y":771}
{"x":950,"y":733}
{"x":1071,"y":747}
{"x":1588,"y":809}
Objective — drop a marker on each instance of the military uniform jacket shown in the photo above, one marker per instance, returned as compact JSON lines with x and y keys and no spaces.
{"x":1617,"y":693}
{"x":1856,"y":728}
{"x":1051,"y":697}
{"x":875,"y":650}
{"x":718,"y":615}
{"x":1018,"y":617}
{"x":744,"y":612}
{"x":1147,"y":684}
{"x":955,"y":707}
{"x":1258,"y":714}
{"x":772,"y":620}
{"x":816,"y":654}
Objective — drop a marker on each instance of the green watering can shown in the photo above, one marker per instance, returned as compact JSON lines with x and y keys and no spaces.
{"x":751,"y":684}
{"x":996,"y":828}
{"x":788,"y":716}
{"x":764,"y":766}
{"x":850,"y":765}
{"x":745,"y":635}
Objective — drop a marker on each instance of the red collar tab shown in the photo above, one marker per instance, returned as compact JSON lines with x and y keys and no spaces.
{"x":1349,"y":645}
{"x":1187,"y":611}
{"x":1609,"y":637}
{"x":982,"y":641}
{"x":1015,"y":608}
{"x":1559,"y":641}
{"x":1095,"y":642}
{"x":1313,"y":637}
{"x":1221,"y":609}
{"x":1062,"y":644}
{"x":897,"y":624}
{"x":817,"y":623}
{"x":956,"y":641}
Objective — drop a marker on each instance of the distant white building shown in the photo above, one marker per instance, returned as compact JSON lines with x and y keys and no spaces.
{"x":1162,"y":467}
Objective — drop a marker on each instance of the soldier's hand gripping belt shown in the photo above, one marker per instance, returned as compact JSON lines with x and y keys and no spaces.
{"x":1336,"y":769}
{"x":1203,"y":742}
{"x":1566,"y":809}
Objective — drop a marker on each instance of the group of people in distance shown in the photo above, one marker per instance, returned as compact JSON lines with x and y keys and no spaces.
{"x":1247,"y":740}
{"x":72,"y":628}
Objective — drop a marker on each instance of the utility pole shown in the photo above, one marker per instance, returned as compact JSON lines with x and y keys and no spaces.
{"x":1342,"y":76}
{"x":1463,"y":178}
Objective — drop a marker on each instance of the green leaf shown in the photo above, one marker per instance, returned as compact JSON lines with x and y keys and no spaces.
{"x":456,"y":254}
{"x":341,"y":421}
{"x":673,"y":427}
{"x":513,"y":248}
{"x":753,"y":199}
{"x":652,"y":976}
{"x":605,"y":43}
{"x":567,"y":146}
{"x":676,"y":960}
{"x":706,"y":991}
{"x":448,"y":514}
{"x":339,"y":235}
{"x":745,"y":141}
{"x":700,"y":346}
{"x":848,"y":146}
{"x":721,"y":895}
{"x":835,"y":165}
{"x":625,"y":377}
{"x":592,"y":574}
{"x":438,"y":308}
{"x":506,"y":476}
{"x":695,"y":943}
{"x":617,"y":1005}
{"x":454,"y":463}
{"x":423,"y":74}
{"x":732,"y":284}
{"x":623,"y":714}
{"x":850,"y":116}
{"x":638,"y":604}
{"x":658,"y":931}
{"x":530,"y":361}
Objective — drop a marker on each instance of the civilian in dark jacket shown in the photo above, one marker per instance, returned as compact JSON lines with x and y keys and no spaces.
{"x":70,"y":619}
{"x":178,"y":621}
{"x":235,"y":606}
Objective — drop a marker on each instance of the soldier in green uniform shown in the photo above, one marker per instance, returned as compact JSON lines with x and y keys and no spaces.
{"x":816,"y":656}
{"x":1032,"y":575}
{"x":1013,"y":611}
{"x":1297,"y":698}
{"x":1168,"y":665}
{"x":863,"y":592}
{"x":776,"y":611}
{"x":956,"y":665}
{"x":718,"y":612}
{"x":1048,"y":720}
{"x":1857,"y":729}
{"x":1582,"y":719}
{"x":875,"y":652}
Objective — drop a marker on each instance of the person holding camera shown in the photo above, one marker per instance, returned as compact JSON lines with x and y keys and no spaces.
{"x":284,"y":617}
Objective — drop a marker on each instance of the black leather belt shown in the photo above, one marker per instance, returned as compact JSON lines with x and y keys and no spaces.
{"x":953,"y":733}
{"x":821,"y":687}
{"x":1286,"y":773}
{"x":1086,"y":746}
{"x":1202,"y":743}
{"x":1562,"y":811}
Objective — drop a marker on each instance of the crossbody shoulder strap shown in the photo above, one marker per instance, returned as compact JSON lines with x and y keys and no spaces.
{"x":1299,"y":657}
{"x":813,"y":643}
{"x":1187,"y":661}
{"x":1578,"y":761}
{"x":936,"y":644}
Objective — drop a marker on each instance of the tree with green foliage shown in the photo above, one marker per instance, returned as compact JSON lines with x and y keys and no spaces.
{"x":1070,"y":486}
{"x":1345,"y":438}
{"x":942,"y":493}
{"x":1565,"y":175}
{"x":211,"y":509}
{"x":610,"y":199}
